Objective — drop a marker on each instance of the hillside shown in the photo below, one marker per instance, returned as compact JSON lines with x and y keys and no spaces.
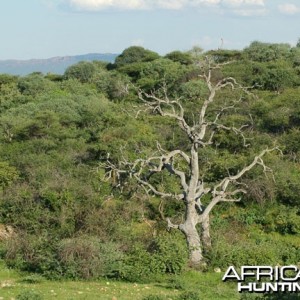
{"x":55,"y":65}
{"x":96,"y":169}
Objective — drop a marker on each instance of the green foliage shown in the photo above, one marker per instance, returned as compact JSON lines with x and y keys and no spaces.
{"x":171,"y":251}
{"x":268,"y":217}
{"x":246,"y":253}
{"x":283,"y":220}
{"x":194,"y":89}
{"x":183,"y":58}
{"x":8,"y":92}
{"x":287,"y":187}
{"x":160,"y":72}
{"x":87,"y":257}
{"x":135,"y":54}
{"x":118,"y":86}
{"x":80,"y":257}
{"x":33,"y":279}
{"x":189,"y":295}
{"x":176,"y":283}
{"x":33,"y":254}
{"x":8,"y":174}
{"x":82,"y":71}
{"x":7,"y":79}
{"x":281,"y":296}
{"x":54,"y":77}
{"x":278,"y":113}
{"x":273,"y":77}
{"x":140,"y":266}
{"x":167,"y":254}
{"x":29,"y":295}
{"x":264,"y":52}
{"x":34,"y":84}
{"x":221,"y":56}
{"x":295,"y":57}
{"x":244,"y":241}
{"x":154,"y":297}
{"x":250,"y":296}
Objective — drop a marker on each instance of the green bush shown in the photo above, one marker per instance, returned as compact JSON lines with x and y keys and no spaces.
{"x":167,"y":254}
{"x":87,"y":257}
{"x":281,"y":296}
{"x":248,"y":296}
{"x":189,"y":295}
{"x":29,"y":295}
{"x":33,"y":254}
{"x":139,"y":266}
{"x":171,"y":251}
{"x":252,"y":248}
{"x":81,"y":257}
{"x":82,"y":71}
{"x":34,"y":278}
{"x":224,"y":254}
{"x":284,"y":220}
{"x":176,"y":283}
{"x":154,"y":297}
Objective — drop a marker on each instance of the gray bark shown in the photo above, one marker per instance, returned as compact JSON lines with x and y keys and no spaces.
{"x":205,"y":234}
{"x":194,"y":246}
{"x":193,"y":242}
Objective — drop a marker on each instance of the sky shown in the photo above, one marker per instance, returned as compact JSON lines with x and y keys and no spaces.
{"x":49,"y":28}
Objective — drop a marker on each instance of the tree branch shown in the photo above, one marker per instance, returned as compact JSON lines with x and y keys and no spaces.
{"x":166,"y":108}
{"x":220,"y":193}
{"x":142,"y":169}
{"x":171,"y":225}
{"x":256,"y":161}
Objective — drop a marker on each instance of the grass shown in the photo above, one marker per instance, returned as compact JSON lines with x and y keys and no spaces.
{"x":209,"y":285}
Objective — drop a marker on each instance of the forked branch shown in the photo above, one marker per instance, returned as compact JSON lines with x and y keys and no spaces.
{"x":225,"y":190}
{"x":142,"y":170}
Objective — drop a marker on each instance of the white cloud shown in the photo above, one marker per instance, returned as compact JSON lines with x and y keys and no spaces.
{"x":289,"y":9}
{"x":245,"y":2}
{"x":206,"y":2}
{"x":250,"y":12}
{"x":167,"y":4}
{"x":95,"y":5}
{"x":246,"y":8}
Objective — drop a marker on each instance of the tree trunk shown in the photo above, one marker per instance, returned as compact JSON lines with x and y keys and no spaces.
{"x":194,"y":244}
{"x":205,"y":235}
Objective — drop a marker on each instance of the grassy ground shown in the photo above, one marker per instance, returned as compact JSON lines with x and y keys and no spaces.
{"x":209,"y":285}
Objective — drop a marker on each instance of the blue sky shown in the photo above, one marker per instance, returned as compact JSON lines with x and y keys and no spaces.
{"x":48,"y":28}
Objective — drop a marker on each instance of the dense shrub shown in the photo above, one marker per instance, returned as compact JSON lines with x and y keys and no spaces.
{"x":87,"y":257}
{"x":188,"y":295}
{"x":29,"y":295}
{"x":257,"y":250}
{"x":154,"y":297}
{"x":34,"y":254}
{"x":81,"y":257}
{"x":82,"y":71}
{"x":33,"y":279}
{"x":167,"y":254}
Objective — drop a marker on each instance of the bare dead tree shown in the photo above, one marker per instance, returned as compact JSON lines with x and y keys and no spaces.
{"x":200,"y":134}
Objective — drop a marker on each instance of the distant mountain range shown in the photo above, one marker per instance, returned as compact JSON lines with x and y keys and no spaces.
{"x":56,"y":65}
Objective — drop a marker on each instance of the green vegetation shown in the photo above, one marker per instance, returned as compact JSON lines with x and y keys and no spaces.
{"x":59,"y":218}
{"x":208,"y":286}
